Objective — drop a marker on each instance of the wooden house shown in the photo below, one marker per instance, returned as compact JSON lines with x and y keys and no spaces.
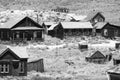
{"x":105,"y":29}
{"x":36,"y":65}
{"x":95,"y":17}
{"x":97,"y":57}
{"x":65,"y":29}
{"x":22,"y":28}
{"x":13,"y":62}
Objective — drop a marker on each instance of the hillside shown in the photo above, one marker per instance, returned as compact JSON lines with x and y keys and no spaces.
{"x":111,"y":8}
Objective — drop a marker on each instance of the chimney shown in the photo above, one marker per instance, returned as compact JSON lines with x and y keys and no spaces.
{"x":37,"y":18}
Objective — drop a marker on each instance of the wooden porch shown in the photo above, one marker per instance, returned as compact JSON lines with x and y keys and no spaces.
{"x":26,"y":35}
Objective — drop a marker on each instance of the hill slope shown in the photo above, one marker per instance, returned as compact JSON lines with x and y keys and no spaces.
{"x":111,"y":8}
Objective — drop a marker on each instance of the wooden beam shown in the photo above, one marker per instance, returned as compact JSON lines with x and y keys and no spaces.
{"x":1,"y":35}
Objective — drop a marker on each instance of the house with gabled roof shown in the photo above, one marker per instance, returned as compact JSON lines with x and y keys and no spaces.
{"x":95,"y":17}
{"x":13,"y":62}
{"x":64,"y":29}
{"x":22,"y":28}
{"x":106,"y":29}
{"x":97,"y":57}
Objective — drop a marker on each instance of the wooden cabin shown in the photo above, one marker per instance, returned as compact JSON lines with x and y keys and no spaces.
{"x":66,"y":29}
{"x":36,"y":65}
{"x":98,"y":57}
{"x":22,"y":28}
{"x":13,"y":62}
{"x":105,"y":29}
{"x":95,"y":17}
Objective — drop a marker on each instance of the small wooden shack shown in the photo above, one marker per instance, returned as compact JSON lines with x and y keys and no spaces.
{"x":13,"y":62}
{"x":36,"y":65}
{"x":83,"y":45}
{"x":98,"y":57}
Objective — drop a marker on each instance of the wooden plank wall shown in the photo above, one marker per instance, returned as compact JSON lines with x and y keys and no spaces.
{"x":36,"y":65}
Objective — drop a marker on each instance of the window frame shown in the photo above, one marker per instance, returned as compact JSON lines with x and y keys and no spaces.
{"x":22,"y":65}
{"x":5,"y":68}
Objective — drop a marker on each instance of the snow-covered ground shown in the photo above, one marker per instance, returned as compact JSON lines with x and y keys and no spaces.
{"x":64,"y":61}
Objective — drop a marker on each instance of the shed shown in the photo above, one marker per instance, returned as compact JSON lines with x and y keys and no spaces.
{"x":36,"y":65}
{"x":83,"y":45}
{"x":13,"y":62}
{"x":97,"y":57}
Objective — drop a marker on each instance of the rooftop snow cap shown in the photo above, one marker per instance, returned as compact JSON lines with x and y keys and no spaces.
{"x":19,"y":51}
{"x":73,"y":25}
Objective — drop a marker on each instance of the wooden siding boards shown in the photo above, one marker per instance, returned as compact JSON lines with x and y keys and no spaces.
{"x":25,"y":25}
{"x":97,"y":57}
{"x":8,"y":57}
{"x":64,"y":29}
{"x":112,"y":31}
{"x":94,"y":17}
{"x":36,"y":65}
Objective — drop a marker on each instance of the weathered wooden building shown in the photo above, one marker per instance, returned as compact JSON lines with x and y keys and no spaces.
{"x":22,"y":28}
{"x":13,"y":62}
{"x":105,"y":29}
{"x":36,"y":65}
{"x":95,"y":17}
{"x":98,"y":57}
{"x":65,"y":29}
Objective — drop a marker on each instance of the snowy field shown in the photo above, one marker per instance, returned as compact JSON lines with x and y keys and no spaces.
{"x":64,"y":61}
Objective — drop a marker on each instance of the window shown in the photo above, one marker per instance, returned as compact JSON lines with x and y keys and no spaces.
{"x":100,"y":20}
{"x":21,"y":64}
{"x":95,"y":20}
{"x":105,"y":32}
{"x":4,"y":68}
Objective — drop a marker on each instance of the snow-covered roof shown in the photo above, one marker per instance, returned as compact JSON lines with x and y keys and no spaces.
{"x":52,"y":26}
{"x":12,"y":22}
{"x":92,"y":14}
{"x":49,"y":23}
{"x":73,"y":25}
{"x":77,"y":25}
{"x":19,"y":51}
{"x":100,"y":25}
